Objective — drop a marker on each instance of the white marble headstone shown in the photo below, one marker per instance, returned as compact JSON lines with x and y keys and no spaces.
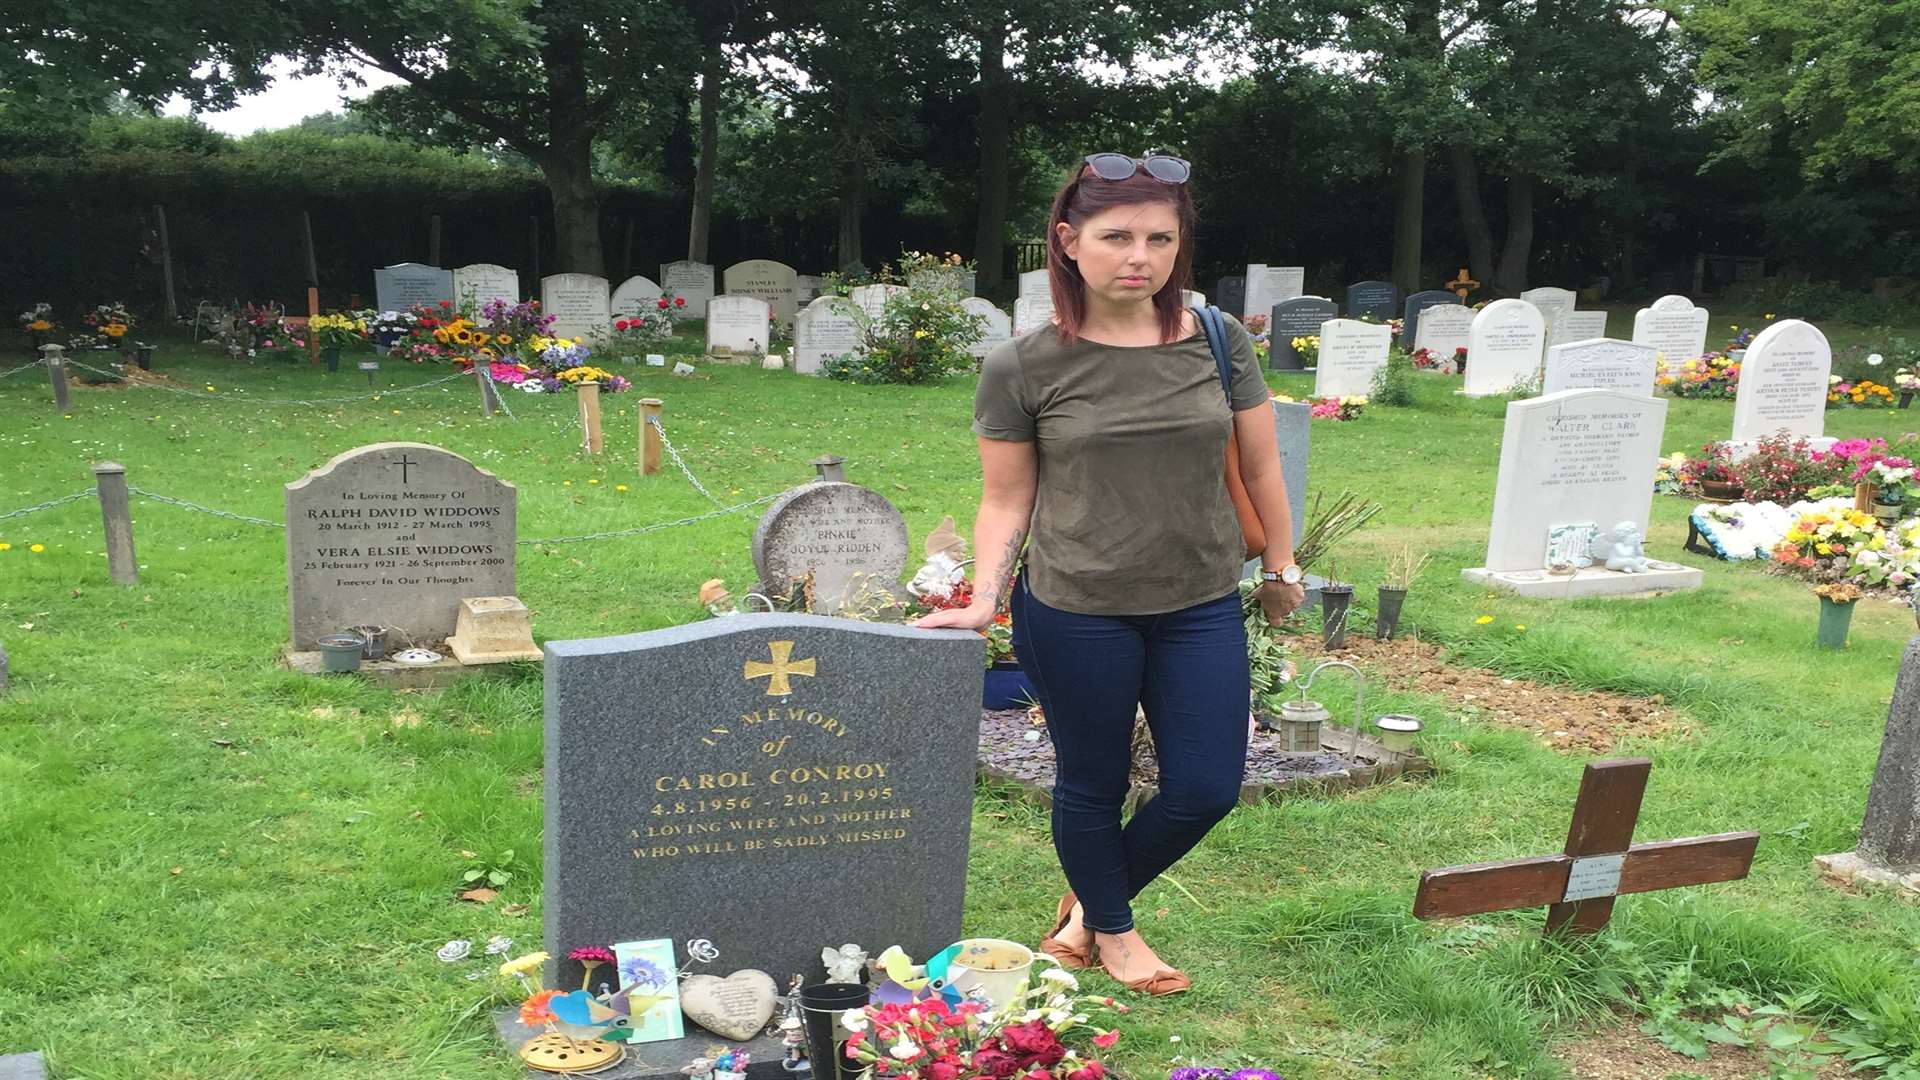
{"x":1555,"y":305}
{"x":998,"y":326}
{"x":1350,"y":352}
{"x":1565,"y":460}
{"x":770,"y":281}
{"x":823,"y":329}
{"x":1504,"y":347}
{"x":1783,"y":383}
{"x":1030,"y":315}
{"x":579,"y":304}
{"x":1444,"y":329}
{"x":691,"y":280}
{"x":481,"y":282}
{"x":405,"y":285}
{"x":1600,"y":363}
{"x":872,"y":299}
{"x":1269,"y":285}
{"x":1674,"y":327}
{"x":638,"y":295}
{"x":1583,"y":326}
{"x":742,"y":323}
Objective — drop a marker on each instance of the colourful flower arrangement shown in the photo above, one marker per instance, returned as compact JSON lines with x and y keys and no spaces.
{"x":1262,"y":337}
{"x":1669,"y":474}
{"x":38,"y":321}
{"x":266,"y":328}
{"x":1824,"y":543}
{"x":338,"y":331}
{"x":1864,"y":394}
{"x":1307,"y":346}
{"x":1905,"y":381}
{"x":1201,"y":1072}
{"x":608,"y":381}
{"x":1347,"y":407}
{"x":516,"y":322}
{"x":1714,"y":375}
{"x":647,"y":328}
{"x":1026,"y":1038}
{"x":1428,"y":360}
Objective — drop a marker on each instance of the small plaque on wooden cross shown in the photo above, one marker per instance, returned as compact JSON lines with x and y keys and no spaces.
{"x":1600,"y":863}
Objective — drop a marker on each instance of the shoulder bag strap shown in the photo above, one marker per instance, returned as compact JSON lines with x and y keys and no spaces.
{"x":1216,"y":330}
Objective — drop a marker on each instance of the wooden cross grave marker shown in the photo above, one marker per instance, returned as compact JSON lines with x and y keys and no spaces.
{"x":1600,"y":863}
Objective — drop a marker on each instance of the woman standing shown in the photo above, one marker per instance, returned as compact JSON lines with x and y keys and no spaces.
{"x":1102,"y":442}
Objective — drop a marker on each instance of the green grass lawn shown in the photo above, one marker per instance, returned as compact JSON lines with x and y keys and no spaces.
{"x":214,"y":868}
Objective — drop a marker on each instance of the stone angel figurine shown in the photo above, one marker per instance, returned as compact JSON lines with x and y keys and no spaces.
{"x":1625,"y":550}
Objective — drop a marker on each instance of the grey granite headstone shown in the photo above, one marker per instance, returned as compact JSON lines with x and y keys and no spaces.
{"x":23,"y":1066}
{"x":405,"y":285}
{"x":1419,"y":302}
{"x":1292,"y":431}
{"x":1298,"y":317}
{"x":395,"y":535}
{"x":849,"y":537}
{"x":1378,"y":299}
{"x":1230,"y":294}
{"x":1890,"y":836}
{"x":772,"y":783}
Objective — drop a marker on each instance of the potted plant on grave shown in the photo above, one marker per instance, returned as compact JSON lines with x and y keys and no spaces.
{"x":1402,"y":568}
{"x":1836,"y":612}
{"x":38,"y":324}
{"x":1307,"y":348}
{"x":336,"y":332}
{"x":1714,"y":473}
{"x":1891,"y":478}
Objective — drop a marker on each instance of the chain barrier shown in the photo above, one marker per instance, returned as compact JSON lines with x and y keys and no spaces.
{"x":679,"y":462}
{"x":145,"y":494}
{"x":369,"y":395}
{"x":494,"y":389}
{"x":641,"y":530}
{"x":48,"y":505}
{"x":23,"y":367}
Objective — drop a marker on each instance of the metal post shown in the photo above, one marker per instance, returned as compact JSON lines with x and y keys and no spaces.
{"x":55,"y":356}
{"x":650,"y":436}
{"x":489,"y":397}
{"x":110,"y":480}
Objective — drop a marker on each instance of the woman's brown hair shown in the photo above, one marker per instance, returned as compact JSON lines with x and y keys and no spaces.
{"x":1086,"y":195}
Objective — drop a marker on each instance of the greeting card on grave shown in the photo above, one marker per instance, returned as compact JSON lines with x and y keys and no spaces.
{"x":649,"y":975}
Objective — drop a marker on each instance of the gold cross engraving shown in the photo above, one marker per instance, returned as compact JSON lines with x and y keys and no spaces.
{"x":776,"y":673}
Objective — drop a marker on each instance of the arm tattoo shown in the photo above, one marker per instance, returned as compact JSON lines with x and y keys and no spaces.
{"x":1003,"y":574}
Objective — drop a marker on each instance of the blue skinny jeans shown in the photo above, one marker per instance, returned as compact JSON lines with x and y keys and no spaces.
{"x":1188,"y":669}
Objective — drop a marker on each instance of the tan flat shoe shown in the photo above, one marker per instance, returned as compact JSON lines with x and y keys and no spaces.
{"x":1159,"y":984}
{"x":1064,"y":954}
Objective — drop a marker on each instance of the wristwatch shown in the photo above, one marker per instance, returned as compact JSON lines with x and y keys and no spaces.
{"x":1289,"y":574}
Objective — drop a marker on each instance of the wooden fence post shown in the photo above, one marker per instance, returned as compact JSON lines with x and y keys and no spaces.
{"x":590,"y":415}
{"x":649,"y":436}
{"x":110,"y":481}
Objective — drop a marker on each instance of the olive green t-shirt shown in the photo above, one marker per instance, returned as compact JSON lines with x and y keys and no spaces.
{"x":1131,"y":515}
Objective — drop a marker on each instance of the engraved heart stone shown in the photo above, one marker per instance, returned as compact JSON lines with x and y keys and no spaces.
{"x":735,"y":1007}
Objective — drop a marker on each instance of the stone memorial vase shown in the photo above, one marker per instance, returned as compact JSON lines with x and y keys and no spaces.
{"x":331,"y":354}
{"x":820,"y":1008}
{"x":341,"y":652}
{"x":1906,"y":398}
{"x":1887,"y":512}
{"x":1336,"y":600}
{"x":143,"y":355}
{"x":1007,"y":687}
{"x":1387,"y":614}
{"x":1834,"y":620}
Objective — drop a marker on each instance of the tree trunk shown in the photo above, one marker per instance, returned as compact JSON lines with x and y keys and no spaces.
{"x":1512,"y":275}
{"x":853,"y":206}
{"x":709,"y":150}
{"x":1409,"y":212}
{"x":1473,"y":214}
{"x":576,"y":210}
{"x":994,"y":131}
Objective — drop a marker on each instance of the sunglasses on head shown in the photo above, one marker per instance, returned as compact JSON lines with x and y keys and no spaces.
{"x":1162,"y":167}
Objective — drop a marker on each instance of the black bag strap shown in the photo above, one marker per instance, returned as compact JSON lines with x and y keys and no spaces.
{"x":1215,"y":327}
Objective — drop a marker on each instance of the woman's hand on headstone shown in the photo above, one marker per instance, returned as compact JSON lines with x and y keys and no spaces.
{"x":974,"y":616}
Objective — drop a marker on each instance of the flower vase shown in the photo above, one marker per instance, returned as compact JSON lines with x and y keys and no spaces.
{"x":1387,"y":614}
{"x":821,"y":1006}
{"x":1834,"y":620}
{"x":1906,"y":398}
{"x":331,"y":354}
{"x":1336,"y":601}
{"x":1007,"y":687}
{"x":1863,"y":497}
{"x":1887,"y":512}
